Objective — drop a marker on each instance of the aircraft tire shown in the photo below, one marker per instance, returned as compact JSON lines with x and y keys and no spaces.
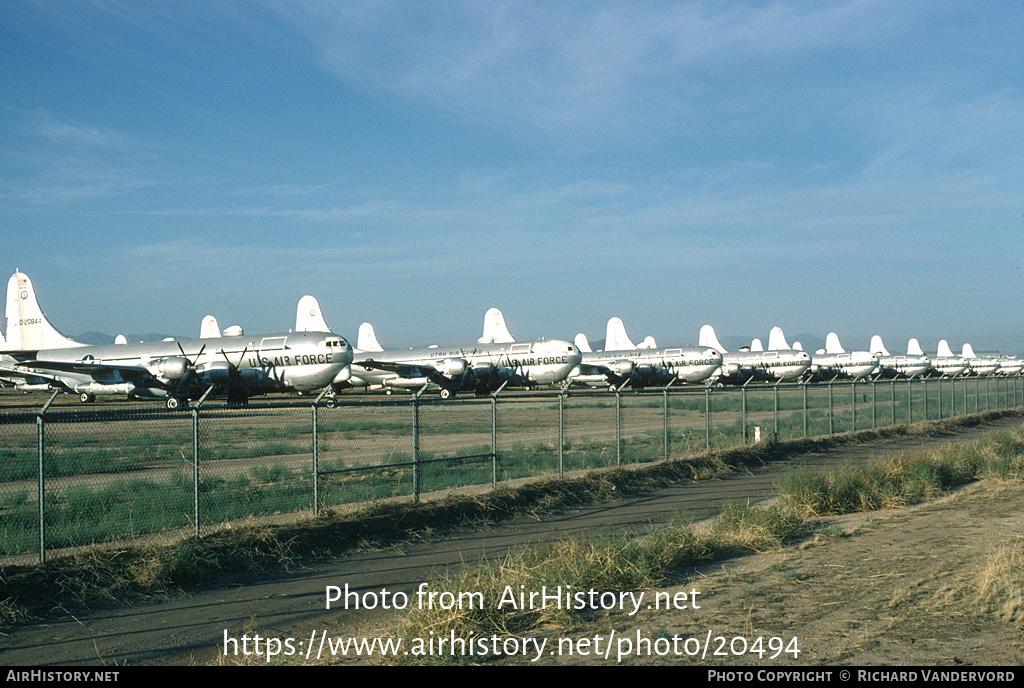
{"x":87,"y":398}
{"x":446,"y":394}
{"x":174,"y":403}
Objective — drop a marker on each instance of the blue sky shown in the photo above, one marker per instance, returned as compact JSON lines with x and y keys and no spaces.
{"x":840,"y":166}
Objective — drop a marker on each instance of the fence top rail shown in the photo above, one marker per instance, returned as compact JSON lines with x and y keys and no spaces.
{"x":19,"y":408}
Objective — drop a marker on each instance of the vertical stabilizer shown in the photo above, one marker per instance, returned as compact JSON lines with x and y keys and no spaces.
{"x":968,"y":351}
{"x":27,"y":327}
{"x":944,"y":349}
{"x":756,"y":345}
{"x":495,"y":329}
{"x":647,"y":343}
{"x":877,"y":347}
{"x":582,"y":343}
{"x":209,"y":329}
{"x":709,"y":338}
{"x":616,"y":338}
{"x":914,"y":348}
{"x":832,"y":345}
{"x":367,"y":339}
{"x":309,"y":317}
{"x":776,"y":340}
{"x":120,"y":339}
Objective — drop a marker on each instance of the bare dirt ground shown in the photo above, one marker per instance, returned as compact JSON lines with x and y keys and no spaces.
{"x":896,"y":590}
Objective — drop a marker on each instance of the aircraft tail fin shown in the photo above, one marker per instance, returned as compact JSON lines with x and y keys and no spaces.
{"x":647,"y":343}
{"x":309,"y":317}
{"x":209,"y":329}
{"x":709,"y":338}
{"x":582,"y":343}
{"x":914,"y":348}
{"x":367,"y":339}
{"x":968,"y":351}
{"x":616,"y":338}
{"x":877,"y":347}
{"x":832,"y":345}
{"x":944,"y":349}
{"x":27,"y":327}
{"x":756,"y":345}
{"x":495,"y":329}
{"x":776,"y":340}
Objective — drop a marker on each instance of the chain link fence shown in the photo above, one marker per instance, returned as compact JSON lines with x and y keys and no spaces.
{"x":71,"y":476}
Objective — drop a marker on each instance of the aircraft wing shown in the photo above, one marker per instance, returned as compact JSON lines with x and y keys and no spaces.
{"x":100,"y":372}
{"x":410,"y":370}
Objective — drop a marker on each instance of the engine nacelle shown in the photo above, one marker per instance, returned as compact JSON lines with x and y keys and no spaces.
{"x":455,"y":367}
{"x":172,"y":368}
{"x":621,"y":367}
{"x":215,"y":372}
{"x":731,"y":369}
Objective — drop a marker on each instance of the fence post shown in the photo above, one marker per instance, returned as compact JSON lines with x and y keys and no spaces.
{"x":42,"y":481}
{"x":874,"y":405}
{"x":853,"y":406}
{"x":775,"y":433}
{"x":707,"y":419}
{"x":892,"y":399}
{"x":805,"y":409}
{"x":195,"y":468}
{"x":910,"y":401}
{"x":831,"y":425}
{"x":494,"y":435}
{"x":561,"y":435}
{"x":416,"y":444}
{"x":618,"y":426}
{"x":316,"y":454}
{"x":743,"y":411}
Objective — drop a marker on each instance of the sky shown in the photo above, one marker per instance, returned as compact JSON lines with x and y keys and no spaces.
{"x":850,"y":166}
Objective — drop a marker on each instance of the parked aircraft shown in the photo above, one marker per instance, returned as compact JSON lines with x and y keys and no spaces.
{"x":481,"y":367}
{"x":835,"y":362}
{"x":982,"y":366}
{"x":947,"y":364}
{"x":742,"y":366}
{"x":914,"y":364}
{"x":174,"y":371}
{"x":641,"y":366}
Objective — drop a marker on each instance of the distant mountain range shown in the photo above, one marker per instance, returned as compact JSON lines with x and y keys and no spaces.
{"x":99,"y":338}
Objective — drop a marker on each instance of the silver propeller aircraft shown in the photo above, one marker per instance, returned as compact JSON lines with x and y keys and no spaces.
{"x":743,"y":366}
{"x":947,"y":364}
{"x":982,"y":366}
{"x":174,"y":371}
{"x":833,"y":361}
{"x":641,"y":366}
{"x":914,"y":364}
{"x":482,"y":367}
